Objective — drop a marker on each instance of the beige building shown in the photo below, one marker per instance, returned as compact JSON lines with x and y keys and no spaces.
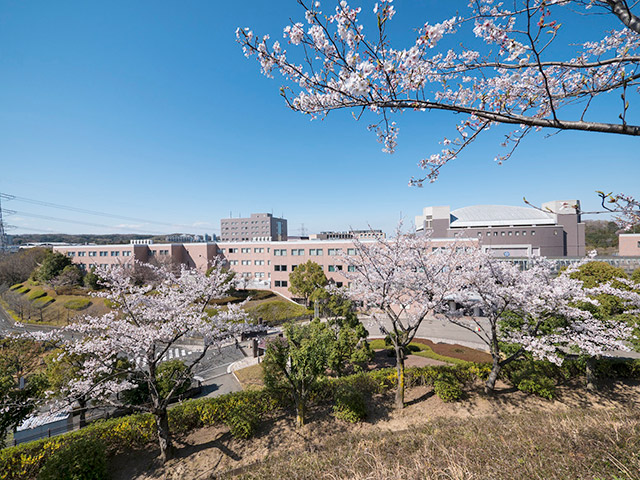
{"x":629,"y":244}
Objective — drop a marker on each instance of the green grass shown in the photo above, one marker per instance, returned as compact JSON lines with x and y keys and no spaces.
{"x":275,"y":312}
{"x":418,"y":349}
{"x":77,"y":304}
{"x":16,"y":286}
{"x":35,"y":294}
{"x":43,"y":301}
{"x":23,"y":290}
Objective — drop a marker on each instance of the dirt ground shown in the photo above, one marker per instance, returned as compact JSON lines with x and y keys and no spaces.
{"x":213,"y":453}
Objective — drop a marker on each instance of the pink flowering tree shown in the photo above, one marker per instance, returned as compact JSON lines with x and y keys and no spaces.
{"x":146,"y":322}
{"x":511,"y":63}
{"x":402,"y":281}
{"x":535,"y":309}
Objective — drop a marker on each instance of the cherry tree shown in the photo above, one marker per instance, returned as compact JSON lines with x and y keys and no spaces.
{"x":513,"y":63}
{"x":133,"y":339}
{"x":535,"y":309}
{"x":403,"y":280}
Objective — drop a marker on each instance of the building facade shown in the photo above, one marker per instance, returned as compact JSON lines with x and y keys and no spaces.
{"x":507,"y":231}
{"x":629,"y":244}
{"x":257,"y":227}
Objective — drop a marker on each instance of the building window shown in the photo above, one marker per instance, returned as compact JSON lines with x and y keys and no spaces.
{"x":128,"y":254}
{"x":233,"y":250}
{"x":488,"y":233}
{"x":259,"y":262}
{"x":116,"y":253}
{"x":555,"y":232}
{"x":510,"y":233}
{"x":317,"y":252}
{"x":297,"y":251}
{"x":335,"y":268}
{"x":233,"y":262}
{"x":280,"y":283}
{"x":502,"y":234}
{"x":92,"y":254}
{"x":524,"y":233}
{"x":517,"y":233}
{"x":293,"y":267}
{"x":479,"y":234}
{"x":258,"y":250}
{"x":81,"y":254}
{"x":351,"y":251}
{"x":280,"y":252}
{"x":246,"y":262}
{"x":245,"y":250}
{"x":280,"y":268}
{"x":334,"y":251}
{"x":71,"y":254}
{"x":351,"y":268}
{"x":103,"y":254}
{"x":533,"y":232}
{"x":338,"y":284}
{"x":495,"y":234}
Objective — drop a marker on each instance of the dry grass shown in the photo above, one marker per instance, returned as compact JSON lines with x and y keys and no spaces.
{"x":577,"y":444}
{"x":251,"y":377}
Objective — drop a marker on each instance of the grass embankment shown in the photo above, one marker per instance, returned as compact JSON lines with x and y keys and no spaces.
{"x":41,"y":304}
{"x":250,"y":377}
{"x":455,"y":354}
{"x":577,"y":444}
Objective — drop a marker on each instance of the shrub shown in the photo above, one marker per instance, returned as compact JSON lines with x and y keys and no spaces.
{"x":448,"y":389}
{"x":350,"y":405}
{"x":539,"y":385}
{"x":16,"y":286}
{"x":23,"y":290}
{"x":275,"y":312}
{"x":83,"y":460}
{"x":77,"y":304}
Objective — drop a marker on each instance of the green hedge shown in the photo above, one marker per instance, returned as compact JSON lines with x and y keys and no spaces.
{"x":77,"y":304}
{"x":16,"y":286}
{"x":23,"y":290}
{"x":36,"y":294}
{"x":240,"y":411}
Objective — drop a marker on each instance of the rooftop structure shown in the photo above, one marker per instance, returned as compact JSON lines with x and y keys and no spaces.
{"x":258,"y":227}
{"x":359,"y":234}
{"x":554,"y":230}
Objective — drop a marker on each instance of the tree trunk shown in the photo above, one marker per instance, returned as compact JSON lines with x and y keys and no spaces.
{"x":300,"y":413}
{"x":83,"y":412}
{"x":490,"y":386}
{"x":591,"y":374}
{"x":399,"y":403}
{"x":164,"y":436}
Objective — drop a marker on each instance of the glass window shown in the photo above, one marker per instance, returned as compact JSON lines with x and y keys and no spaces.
{"x":351,"y":251}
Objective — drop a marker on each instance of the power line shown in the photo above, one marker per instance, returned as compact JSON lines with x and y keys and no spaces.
{"x":78,"y":222}
{"x":4,"y":241}
{"x":42,"y":203}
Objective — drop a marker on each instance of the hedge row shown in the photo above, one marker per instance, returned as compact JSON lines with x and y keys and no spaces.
{"x":36,"y":294}
{"x":240,"y":411}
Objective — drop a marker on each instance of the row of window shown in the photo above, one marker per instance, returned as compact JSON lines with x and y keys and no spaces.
{"x":282,"y":252}
{"x":511,"y":233}
{"x":113,"y":253}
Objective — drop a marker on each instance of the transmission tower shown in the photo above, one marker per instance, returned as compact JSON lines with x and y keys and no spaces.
{"x":302,"y":230}
{"x":4,"y":241}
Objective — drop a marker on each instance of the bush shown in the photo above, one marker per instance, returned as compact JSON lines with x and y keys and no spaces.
{"x":240,"y":411}
{"x":16,"y":286}
{"x":539,"y":385}
{"x":36,"y":294}
{"x":350,"y":406}
{"x":77,"y":304}
{"x":448,"y":389}
{"x":43,"y":301}
{"x":83,"y":460}
{"x":23,"y":290}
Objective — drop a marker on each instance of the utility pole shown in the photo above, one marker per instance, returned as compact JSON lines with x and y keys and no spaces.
{"x":4,"y":241}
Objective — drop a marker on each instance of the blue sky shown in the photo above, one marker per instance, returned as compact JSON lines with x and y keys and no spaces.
{"x":149,"y":110}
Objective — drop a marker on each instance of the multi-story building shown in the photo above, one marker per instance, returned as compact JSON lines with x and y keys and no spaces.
{"x":629,"y":244}
{"x":257,"y":227}
{"x":556,"y":230}
{"x":359,"y":234}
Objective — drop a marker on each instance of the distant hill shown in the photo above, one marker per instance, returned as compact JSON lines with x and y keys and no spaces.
{"x":601,"y":234}
{"x":100,"y":239}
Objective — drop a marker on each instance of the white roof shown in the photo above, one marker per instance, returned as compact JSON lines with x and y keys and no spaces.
{"x":499,"y":216}
{"x":43,"y":419}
